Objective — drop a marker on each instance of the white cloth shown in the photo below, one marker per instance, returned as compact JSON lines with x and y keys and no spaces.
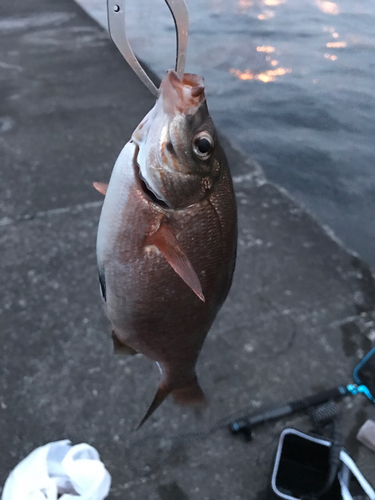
{"x":58,"y":468}
{"x":366,"y":434}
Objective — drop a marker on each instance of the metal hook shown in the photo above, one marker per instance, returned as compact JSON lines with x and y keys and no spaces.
{"x":117,"y":31}
{"x":181,"y":21}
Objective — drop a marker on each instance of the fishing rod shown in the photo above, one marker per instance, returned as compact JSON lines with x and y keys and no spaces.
{"x":364,"y":376}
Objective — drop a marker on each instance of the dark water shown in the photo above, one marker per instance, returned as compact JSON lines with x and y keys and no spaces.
{"x":292,"y":83}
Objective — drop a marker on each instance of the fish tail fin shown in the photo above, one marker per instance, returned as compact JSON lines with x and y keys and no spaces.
{"x":161,"y":394}
{"x":190,"y":393}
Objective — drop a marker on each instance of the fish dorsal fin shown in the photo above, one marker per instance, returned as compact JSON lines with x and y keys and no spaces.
{"x":101,"y":187}
{"x":170,"y":248}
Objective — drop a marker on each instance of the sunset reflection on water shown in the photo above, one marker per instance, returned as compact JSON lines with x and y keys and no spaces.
{"x":312,"y":127}
{"x":266,"y":48}
{"x":328,"y":7}
{"x":265,"y":76}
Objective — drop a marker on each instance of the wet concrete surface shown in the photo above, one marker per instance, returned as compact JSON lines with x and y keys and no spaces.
{"x":297,"y":320}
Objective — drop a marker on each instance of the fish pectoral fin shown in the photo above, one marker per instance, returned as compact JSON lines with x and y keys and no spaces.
{"x":101,"y":187}
{"x":166,"y":242}
{"x":120,"y":347}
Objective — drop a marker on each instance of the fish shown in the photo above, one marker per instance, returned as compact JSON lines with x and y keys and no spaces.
{"x":167,"y":237}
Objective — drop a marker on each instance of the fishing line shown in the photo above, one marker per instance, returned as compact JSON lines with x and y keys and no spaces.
{"x":176,"y":440}
{"x":364,"y":375}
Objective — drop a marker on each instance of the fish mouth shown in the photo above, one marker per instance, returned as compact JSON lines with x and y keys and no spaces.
{"x":181,"y":95}
{"x":156,"y":166}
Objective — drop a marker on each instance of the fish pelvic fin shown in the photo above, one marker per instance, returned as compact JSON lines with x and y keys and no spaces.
{"x":101,"y":187}
{"x":166,"y":242}
{"x":189,"y":394}
{"x":120,"y":347}
{"x":161,"y":394}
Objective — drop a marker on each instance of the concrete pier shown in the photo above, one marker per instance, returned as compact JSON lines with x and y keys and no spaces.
{"x":299,"y":316}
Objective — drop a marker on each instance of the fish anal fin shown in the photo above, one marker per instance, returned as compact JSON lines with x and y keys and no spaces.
{"x":161,"y":394}
{"x":102,"y":284}
{"x":101,"y":187}
{"x":169,"y":247}
{"x":119,"y":347}
{"x":189,"y":394}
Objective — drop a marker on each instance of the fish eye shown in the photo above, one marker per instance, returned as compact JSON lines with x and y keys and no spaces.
{"x":203,"y":145}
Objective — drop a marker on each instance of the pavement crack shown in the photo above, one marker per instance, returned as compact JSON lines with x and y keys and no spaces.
{"x":80,"y":207}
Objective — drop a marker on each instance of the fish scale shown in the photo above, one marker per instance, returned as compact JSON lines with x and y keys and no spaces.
{"x":168,"y":270}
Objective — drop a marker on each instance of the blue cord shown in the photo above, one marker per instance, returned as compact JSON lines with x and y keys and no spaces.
{"x":353,"y":389}
{"x":356,"y":389}
{"x":359,"y":366}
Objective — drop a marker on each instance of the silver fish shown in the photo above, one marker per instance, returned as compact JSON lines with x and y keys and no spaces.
{"x":167,"y":237}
